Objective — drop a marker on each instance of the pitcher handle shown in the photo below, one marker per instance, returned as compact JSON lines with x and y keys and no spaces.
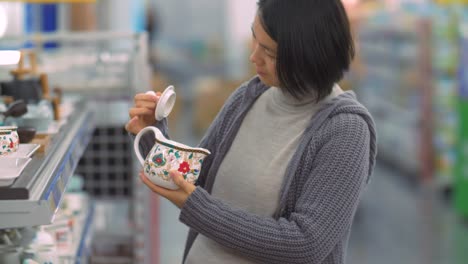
{"x":136,"y":143}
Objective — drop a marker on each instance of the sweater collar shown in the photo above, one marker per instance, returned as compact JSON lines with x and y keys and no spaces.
{"x":290,"y":103}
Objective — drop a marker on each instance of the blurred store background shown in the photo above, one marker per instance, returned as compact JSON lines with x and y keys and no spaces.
{"x":80,"y":195}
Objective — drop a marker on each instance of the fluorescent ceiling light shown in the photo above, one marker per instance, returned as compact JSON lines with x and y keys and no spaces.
{"x":9,"y":57}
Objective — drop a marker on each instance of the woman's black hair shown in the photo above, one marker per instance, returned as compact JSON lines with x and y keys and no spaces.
{"x":315,"y":45}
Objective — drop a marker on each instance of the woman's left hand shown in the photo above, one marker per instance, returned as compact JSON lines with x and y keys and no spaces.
{"x":177,"y":197}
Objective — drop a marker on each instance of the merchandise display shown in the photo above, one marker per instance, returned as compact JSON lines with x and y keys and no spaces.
{"x":414,"y":83}
{"x":58,"y":125}
{"x":445,"y":51}
{"x":461,"y":180}
{"x":392,"y":85}
{"x":65,"y":240}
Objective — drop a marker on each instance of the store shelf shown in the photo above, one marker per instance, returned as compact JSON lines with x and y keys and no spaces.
{"x":79,"y":252}
{"x":72,"y":37}
{"x":83,"y":247}
{"x":35,"y":196}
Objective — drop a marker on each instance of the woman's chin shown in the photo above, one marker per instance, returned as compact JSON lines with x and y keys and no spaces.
{"x":264,"y":79}
{"x":267,"y":81}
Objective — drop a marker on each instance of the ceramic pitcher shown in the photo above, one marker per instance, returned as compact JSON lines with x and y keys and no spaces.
{"x":167,"y":155}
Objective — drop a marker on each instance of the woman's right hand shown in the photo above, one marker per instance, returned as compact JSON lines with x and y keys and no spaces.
{"x":142,"y":113}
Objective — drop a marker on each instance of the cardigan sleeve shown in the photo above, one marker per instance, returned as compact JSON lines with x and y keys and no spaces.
{"x":321,"y":217}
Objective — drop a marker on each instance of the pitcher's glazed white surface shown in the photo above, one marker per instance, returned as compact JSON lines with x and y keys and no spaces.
{"x":167,"y":155}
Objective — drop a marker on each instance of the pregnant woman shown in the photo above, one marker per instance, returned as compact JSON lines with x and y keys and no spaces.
{"x":291,"y":153}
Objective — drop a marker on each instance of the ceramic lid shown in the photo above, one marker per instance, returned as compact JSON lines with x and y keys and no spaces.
{"x":165,"y":104}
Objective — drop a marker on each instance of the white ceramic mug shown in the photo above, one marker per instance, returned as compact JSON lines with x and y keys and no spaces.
{"x":167,"y":155}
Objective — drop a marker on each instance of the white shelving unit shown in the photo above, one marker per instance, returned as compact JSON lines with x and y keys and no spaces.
{"x":36,"y":195}
{"x":106,"y":69}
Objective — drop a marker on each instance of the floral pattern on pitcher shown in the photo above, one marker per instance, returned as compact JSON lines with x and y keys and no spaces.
{"x":163,"y":159}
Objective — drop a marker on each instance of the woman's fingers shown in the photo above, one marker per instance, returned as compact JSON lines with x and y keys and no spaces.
{"x":178,"y":179}
{"x":133,"y":126}
{"x":146,"y":104}
{"x":146,"y":97}
{"x":137,"y":111}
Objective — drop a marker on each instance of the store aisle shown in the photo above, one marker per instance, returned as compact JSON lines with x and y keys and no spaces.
{"x":396,"y":223}
{"x":400,"y":223}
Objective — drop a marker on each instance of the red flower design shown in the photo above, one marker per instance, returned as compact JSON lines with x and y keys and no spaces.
{"x":11,"y":144}
{"x":184,"y":167}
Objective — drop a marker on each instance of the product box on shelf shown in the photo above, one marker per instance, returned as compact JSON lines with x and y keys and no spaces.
{"x":461,"y":177}
{"x":445,"y":61}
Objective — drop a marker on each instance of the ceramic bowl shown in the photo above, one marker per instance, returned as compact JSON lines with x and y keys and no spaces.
{"x":26,"y":134}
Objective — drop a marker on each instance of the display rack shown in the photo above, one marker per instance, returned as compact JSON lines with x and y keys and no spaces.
{"x":446,"y":55}
{"x":106,"y":69}
{"x":89,"y":63}
{"x":396,"y":87}
{"x":34,"y":197}
{"x":461,"y":177}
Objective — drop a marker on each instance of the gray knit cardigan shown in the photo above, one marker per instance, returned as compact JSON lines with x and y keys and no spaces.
{"x":320,"y":193}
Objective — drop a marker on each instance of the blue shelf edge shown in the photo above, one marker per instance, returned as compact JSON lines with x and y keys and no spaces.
{"x":85,"y":233}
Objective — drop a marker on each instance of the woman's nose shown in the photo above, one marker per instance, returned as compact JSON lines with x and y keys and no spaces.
{"x":254,"y":56}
